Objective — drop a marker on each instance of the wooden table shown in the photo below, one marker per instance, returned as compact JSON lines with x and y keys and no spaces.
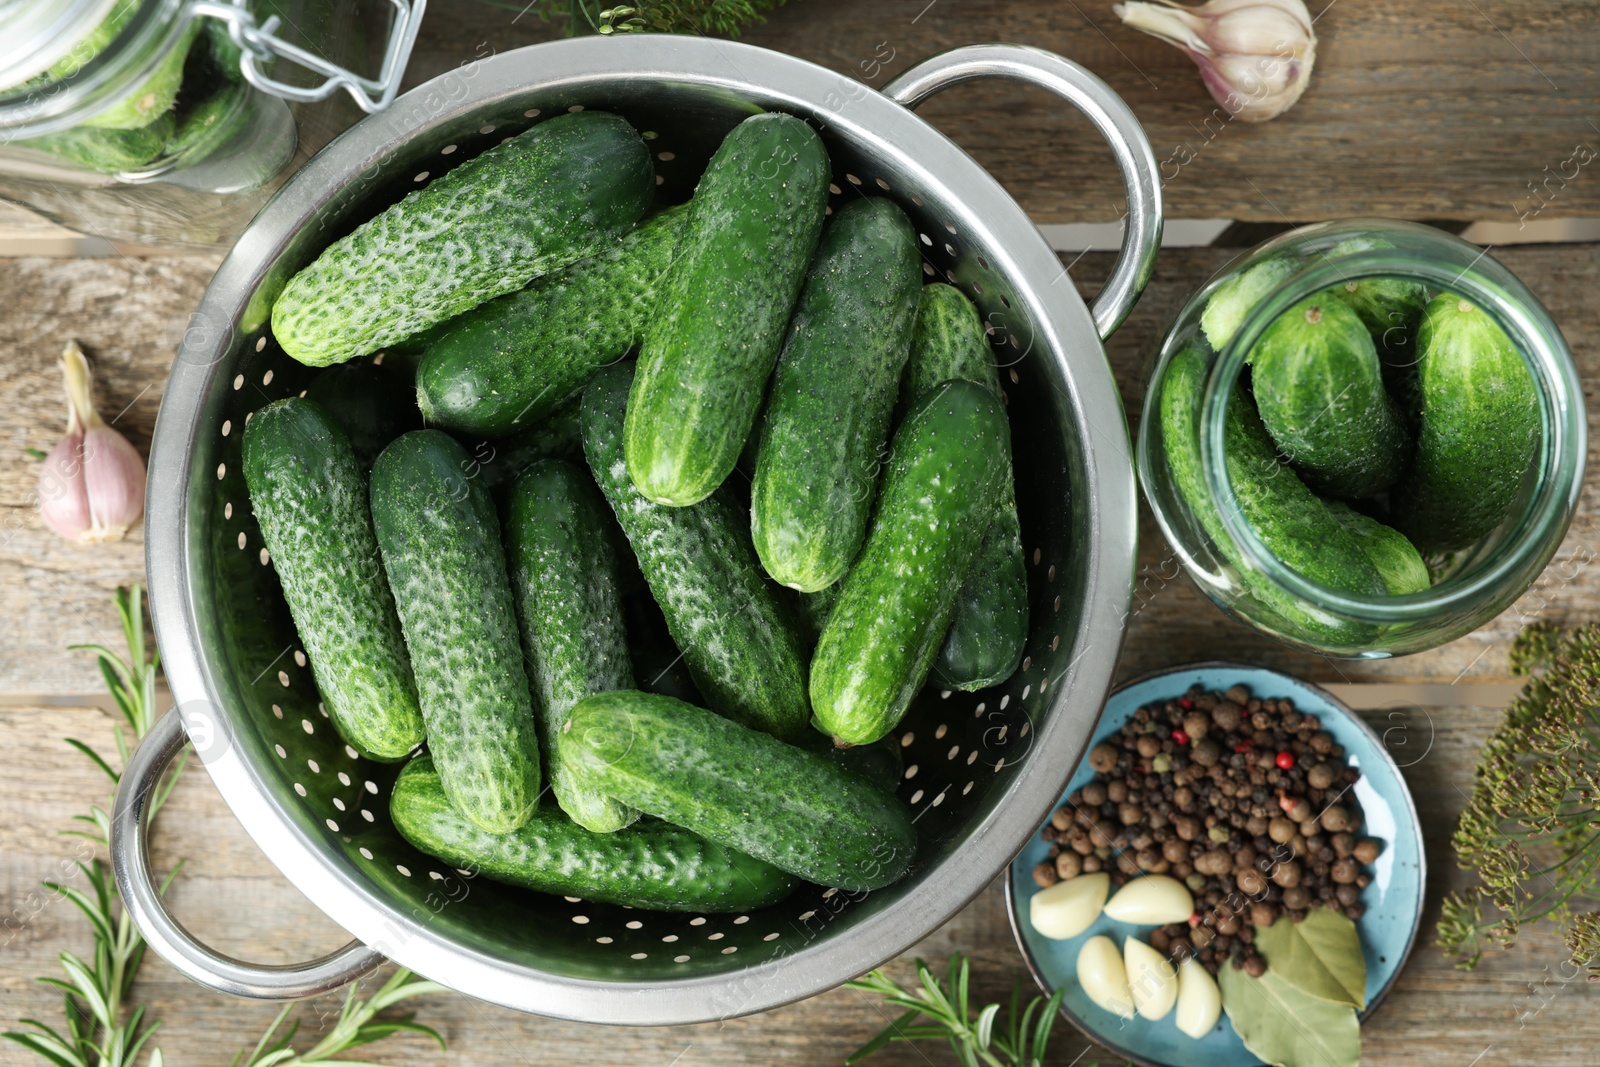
{"x":1442,"y":112}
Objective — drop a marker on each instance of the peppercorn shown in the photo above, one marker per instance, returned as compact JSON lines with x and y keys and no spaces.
{"x":1069,"y":865}
{"x":1348,"y":894}
{"x":1250,"y":881}
{"x":1322,"y":776}
{"x":1255,"y":966}
{"x":1061,"y":818}
{"x":1366,"y":850}
{"x":1103,"y":758}
{"x":1091,"y":864}
{"x":1335,"y":819}
{"x":1045,"y":875}
{"x":1117,"y":791}
{"x":1345,"y":871}
{"x":1287,"y":874}
{"x":1205,"y":752}
{"x":1280,"y":830}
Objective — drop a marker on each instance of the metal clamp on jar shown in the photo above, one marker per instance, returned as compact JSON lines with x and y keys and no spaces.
{"x":169,"y":122}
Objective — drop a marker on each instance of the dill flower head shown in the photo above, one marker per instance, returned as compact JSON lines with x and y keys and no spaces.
{"x":1532,"y":830}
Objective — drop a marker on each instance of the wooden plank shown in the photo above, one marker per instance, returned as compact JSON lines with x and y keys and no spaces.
{"x":1515,"y":1006}
{"x":130,"y":313}
{"x":1435,"y":111}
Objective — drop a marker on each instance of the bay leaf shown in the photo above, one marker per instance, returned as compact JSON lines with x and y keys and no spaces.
{"x":1320,"y":955}
{"x":1287,"y":1027}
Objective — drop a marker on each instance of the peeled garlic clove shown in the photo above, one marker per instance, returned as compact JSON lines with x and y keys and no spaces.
{"x":1153,"y":900}
{"x":1068,"y":908}
{"x":1199,"y":1001}
{"x":1151,"y":979}
{"x":1103,"y":977}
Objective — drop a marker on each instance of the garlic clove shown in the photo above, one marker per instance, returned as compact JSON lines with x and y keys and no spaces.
{"x":1199,"y":1000}
{"x":1255,"y":56}
{"x":114,"y":477}
{"x":91,"y":485}
{"x":1068,"y":908}
{"x":1103,"y":977}
{"x":1151,"y":979}
{"x":1152,"y":900}
{"x":63,"y":494}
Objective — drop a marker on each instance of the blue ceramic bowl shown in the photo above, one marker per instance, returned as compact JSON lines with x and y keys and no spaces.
{"x":1393,"y":901}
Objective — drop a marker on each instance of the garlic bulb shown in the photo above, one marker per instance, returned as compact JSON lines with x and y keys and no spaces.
{"x":1255,"y":55}
{"x":91,"y":487}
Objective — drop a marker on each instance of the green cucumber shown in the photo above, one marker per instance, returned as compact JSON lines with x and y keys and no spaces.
{"x":372,"y":405}
{"x":510,"y":362}
{"x":559,"y":435}
{"x":562,"y":191}
{"x":812,"y":609}
{"x":649,"y":865}
{"x":108,"y":151}
{"x":739,"y":641}
{"x":946,"y":477}
{"x":753,"y":224}
{"x":564,"y":577}
{"x":827,"y":419}
{"x":879,"y":763}
{"x":1390,"y":307}
{"x":441,"y":550}
{"x":1480,"y":429}
{"x":1232,"y":301}
{"x":990,"y":626}
{"x":309,"y":494}
{"x":1397,"y":559}
{"x":1292,"y":522}
{"x":155,"y":96}
{"x":948,"y":343}
{"x":743,"y":789}
{"x":1318,"y":385}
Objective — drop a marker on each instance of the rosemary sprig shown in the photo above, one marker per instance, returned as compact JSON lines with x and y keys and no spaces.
{"x":356,"y":1026}
{"x":1020,"y":1041}
{"x":100,"y":1028}
{"x":1531,"y":830}
{"x":95,"y":992}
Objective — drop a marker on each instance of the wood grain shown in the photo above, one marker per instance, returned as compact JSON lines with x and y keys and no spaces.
{"x":1513,"y":1010}
{"x":1443,"y":111}
{"x":129,"y":315}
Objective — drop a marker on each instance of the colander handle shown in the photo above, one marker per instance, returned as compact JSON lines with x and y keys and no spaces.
{"x":130,"y":862}
{"x":1141,"y":237}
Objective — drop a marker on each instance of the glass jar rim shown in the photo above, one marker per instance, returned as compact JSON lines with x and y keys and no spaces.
{"x":126,"y":62}
{"x":1485,"y":282}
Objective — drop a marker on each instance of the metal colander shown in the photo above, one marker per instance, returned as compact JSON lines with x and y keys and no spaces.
{"x":981,"y":770}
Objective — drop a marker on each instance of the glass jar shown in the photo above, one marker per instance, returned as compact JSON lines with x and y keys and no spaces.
{"x":1245,"y":484}
{"x":169,"y":122}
